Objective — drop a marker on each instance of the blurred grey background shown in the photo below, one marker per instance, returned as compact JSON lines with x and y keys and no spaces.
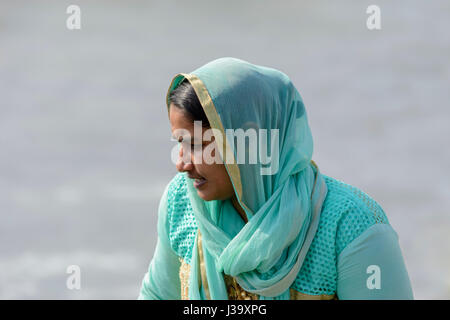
{"x":85,"y":140}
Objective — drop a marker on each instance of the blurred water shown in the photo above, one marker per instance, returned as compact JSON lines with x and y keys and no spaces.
{"x":85,"y":141}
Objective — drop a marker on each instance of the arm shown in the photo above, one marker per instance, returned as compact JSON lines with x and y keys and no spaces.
{"x":162,"y":281}
{"x":372,"y":267}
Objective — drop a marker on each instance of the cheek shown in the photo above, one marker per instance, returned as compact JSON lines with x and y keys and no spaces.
{"x":225,"y":182}
{"x":217,"y":174}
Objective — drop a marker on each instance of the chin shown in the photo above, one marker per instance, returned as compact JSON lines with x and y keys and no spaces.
{"x":209,"y":196}
{"x":205,"y":196}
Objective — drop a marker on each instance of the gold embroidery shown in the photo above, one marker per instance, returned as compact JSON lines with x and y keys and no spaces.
{"x":235,"y":291}
{"x":185,"y":270}
{"x":202,"y":265}
{"x":296,"y":295}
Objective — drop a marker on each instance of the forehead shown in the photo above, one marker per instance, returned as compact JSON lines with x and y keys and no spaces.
{"x":181,"y":125}
{"x":178,"y":119}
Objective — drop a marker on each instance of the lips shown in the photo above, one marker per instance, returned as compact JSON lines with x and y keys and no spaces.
{"x":198,"y":181}
{"x":195,"y":177}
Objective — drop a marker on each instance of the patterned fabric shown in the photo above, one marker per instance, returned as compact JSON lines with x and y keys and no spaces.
{"x":347,"y":212}
{"x":183,"y":228}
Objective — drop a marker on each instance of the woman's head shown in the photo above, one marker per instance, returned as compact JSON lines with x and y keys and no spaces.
{"x":260,"y":128}
{"x":211,"y":180}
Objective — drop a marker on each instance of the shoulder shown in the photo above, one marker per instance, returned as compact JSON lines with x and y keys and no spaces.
{"x":346,"y":213}
{"x":350,"y":211}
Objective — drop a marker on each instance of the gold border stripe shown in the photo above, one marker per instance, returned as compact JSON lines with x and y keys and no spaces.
{"x":216,"y":123}
{"x":202,"y":265}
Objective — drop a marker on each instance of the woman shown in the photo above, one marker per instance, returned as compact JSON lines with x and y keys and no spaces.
{"x":274,"y":228}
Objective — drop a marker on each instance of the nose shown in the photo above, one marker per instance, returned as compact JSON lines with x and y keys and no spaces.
{"x":184,"y":162}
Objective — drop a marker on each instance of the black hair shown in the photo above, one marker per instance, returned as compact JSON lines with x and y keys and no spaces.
{"x":185,"y":98}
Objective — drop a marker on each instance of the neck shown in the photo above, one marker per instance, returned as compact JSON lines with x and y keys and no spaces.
{"x":239,"y":209}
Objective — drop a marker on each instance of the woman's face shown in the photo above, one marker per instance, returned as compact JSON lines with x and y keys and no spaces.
{"x":211,"y":180}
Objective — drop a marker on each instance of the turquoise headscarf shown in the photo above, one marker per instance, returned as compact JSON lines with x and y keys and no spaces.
{"x":283,"y":207}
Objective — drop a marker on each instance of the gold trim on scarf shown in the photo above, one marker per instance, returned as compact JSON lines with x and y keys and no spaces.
{"x":202,"y":266}
{"x":185,"y":270}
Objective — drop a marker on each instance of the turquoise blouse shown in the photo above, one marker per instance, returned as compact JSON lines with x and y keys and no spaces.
{"x":355,"y":253}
